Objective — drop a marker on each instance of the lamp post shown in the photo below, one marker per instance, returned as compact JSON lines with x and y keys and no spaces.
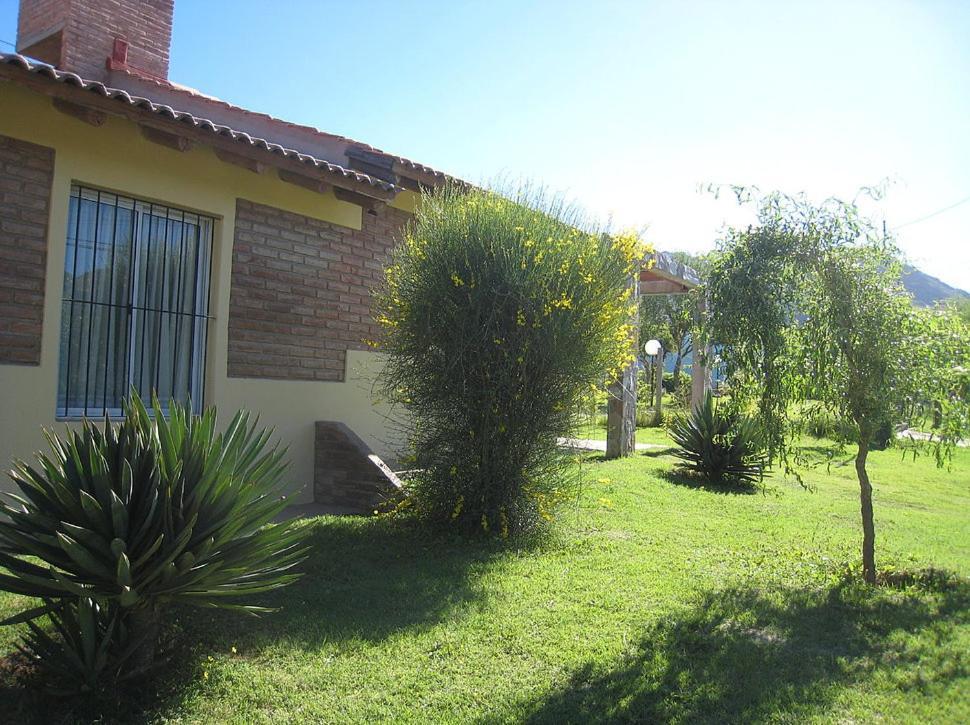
{"x":654,"y":349}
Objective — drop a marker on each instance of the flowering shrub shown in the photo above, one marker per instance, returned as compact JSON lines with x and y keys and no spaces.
{"x":499,"y":315}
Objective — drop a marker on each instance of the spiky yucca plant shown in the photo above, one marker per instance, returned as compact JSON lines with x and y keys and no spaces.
{"x":87,"y":645}
{"x":134,"y":516}
{"x":720,"y":445}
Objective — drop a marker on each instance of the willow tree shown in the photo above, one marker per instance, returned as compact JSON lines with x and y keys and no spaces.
{"x":808,"y":304}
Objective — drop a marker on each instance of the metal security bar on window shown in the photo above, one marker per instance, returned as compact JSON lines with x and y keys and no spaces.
{"x":135,"y":305}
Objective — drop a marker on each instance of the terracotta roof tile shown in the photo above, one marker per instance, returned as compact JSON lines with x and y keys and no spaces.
{"x":213,"y":100}
{"x":166,"y":111}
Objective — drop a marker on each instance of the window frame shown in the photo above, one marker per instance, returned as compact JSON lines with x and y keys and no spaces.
{"x":131,"y":305}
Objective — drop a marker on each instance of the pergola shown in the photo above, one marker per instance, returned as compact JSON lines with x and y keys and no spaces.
{"x":662,"y":275}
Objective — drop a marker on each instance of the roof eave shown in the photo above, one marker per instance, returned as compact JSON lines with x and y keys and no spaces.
{"x":97,"y":98}
{"x":666,"y":275}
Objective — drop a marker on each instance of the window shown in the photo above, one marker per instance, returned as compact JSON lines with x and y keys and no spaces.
{"x":135,"y":307}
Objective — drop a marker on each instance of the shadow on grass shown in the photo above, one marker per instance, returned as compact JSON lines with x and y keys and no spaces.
{"x":680,"y":477}
{"x":657,"y":452}
{"x":746,"y":655}
{"x":364,"y":580}
{"x":815,"y":456}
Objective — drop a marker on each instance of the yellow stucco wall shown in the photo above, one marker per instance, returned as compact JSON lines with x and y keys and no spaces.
{"x":117,"y":158}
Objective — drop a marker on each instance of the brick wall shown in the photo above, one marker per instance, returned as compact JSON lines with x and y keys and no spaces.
{"x":88,"y":30}
{"x":301,"y":291}
{"x":347,"y":476}
{"x":39,"y":19}
{"x":26,"y":173}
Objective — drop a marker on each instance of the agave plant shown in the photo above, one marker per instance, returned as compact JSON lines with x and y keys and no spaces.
{"x":721,"y":446}
{"x":88,"y":644}
{"x":150,"y":511}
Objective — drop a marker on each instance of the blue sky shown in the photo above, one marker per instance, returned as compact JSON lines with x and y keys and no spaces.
{"x":624,"y":106}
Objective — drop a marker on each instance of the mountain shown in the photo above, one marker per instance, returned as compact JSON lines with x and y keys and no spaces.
{"x":927,"y":289}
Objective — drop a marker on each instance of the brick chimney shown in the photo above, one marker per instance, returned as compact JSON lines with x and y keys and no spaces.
{"x":93,"y":37}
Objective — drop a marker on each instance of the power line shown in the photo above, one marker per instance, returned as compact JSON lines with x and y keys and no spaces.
{"x":933,"y":214}
{"x":7,"y":42}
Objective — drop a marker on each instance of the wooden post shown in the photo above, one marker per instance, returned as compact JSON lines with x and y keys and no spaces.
{"x":698,"y":368}
{"x":621,"y":415}
{"x":658,"y":367}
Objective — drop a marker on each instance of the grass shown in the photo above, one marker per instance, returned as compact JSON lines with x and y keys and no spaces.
{"x":653,"y":435}
{"x":649,"y":600}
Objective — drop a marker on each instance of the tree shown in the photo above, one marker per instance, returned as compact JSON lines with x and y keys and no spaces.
{"x":808,"y":304}
{"x":960,"y":306}
{"x":673,"y":319}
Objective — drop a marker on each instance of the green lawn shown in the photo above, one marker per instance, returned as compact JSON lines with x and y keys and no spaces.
{"x":650,"y":600}
{"x":644,"y":435}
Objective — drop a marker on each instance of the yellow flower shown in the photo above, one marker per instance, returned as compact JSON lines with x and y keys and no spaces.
{"x":563,"y":303}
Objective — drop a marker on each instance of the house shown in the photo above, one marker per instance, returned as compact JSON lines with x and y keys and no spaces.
{"x":157,"y":237}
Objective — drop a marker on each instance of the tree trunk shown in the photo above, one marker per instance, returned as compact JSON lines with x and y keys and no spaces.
{"x":865,"y":496}
{"x":678,"y":362}
{"x":937,"y":414}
